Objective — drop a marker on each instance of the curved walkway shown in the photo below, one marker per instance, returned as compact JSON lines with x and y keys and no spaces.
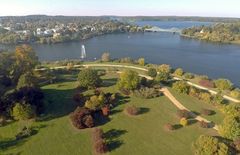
{"x":169,"y":95}
{"x":176,"y":78}
{"x":148,"y":77}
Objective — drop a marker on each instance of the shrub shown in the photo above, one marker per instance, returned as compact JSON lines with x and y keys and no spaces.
{"x":126,"y":60}
{"x":97,"y":134}
{"x":99,"y":144}
{"x":217,"y":99}
{"x":169,"y":126}
{"x":105,"y":57}
{"x":179,"y":72}
{"x":183,"y":113}
{"x":146,"y":93}
{"x":82,"y":118}
{"x":95,"y":102}
{"x":223,"y":84}
{"x":132,"y":110}
{"x":231,"y":109}
{"x":105,"y":110}
{"x":181,"y":87}
{"x":188,"y":76}
{"x":22,"y":111}
{"x":194,"y":92}
{"x":128,"y":80}
{"x":230,"y":127}
{"x":208,"y":145}
{"x":141,"y":61}
{"x":235,"y":93}
{"x":162,"y":77}
{"x":24,"y":133}
{"x":204,"y":96}
{"x":164,"y":68}
{"x":206,"y":83}
{"x":89,"y":78}
{"x":152,"y":72}
{"x":204,"y":124}
{"x":207,"y":112}
{"x":183,"y":121}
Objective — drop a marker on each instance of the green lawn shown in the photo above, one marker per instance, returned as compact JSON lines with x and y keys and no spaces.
{"x":140,"y":135}
{"x":196,"y":106}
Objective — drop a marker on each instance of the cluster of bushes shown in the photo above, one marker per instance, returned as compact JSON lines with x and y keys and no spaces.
{"x":210,"y":145}
{"x":99,"y":144}
{"x":82,"y":118}
{"x":184,"y":88}
{"x":146,"y":93}
{"x":100,"y":103}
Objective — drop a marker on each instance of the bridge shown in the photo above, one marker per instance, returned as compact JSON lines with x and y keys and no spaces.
{"x":158,"y":29}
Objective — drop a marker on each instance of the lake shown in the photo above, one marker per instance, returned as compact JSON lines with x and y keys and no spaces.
{"x":214,"y":60}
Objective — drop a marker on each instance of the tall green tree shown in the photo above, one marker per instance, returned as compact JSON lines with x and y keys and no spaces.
{"x":89,"y":78}
{"x":128,"y":80}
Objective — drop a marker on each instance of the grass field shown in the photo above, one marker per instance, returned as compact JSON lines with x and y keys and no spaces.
{"x":140,"y":135}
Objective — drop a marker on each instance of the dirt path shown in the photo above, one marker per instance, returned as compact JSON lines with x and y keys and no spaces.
{"x":169,"y":95}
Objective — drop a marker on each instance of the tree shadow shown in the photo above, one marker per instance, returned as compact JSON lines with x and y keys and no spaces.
{"x":10,"y":143}
{"x":177,"y":126}
{"x":112,"y":138}
{"x":196,"y":113}
{"x":113,"y":112}
{"x":143,"y":110}
{"x":109,"y":82}
{"x":58,"y":103}
{"x":100,"y":119}
{"x":192,"y":121}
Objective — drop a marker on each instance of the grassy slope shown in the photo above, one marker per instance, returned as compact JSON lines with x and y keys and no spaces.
{"x":143,"y":134}
{"x":196,"y":105}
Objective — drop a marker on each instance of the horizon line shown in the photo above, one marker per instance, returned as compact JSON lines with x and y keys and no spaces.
{"x":120,"y":16}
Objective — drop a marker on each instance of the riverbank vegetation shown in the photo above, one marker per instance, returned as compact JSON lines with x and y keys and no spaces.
{"x":106,"y":110}
{"x":222,"y":32}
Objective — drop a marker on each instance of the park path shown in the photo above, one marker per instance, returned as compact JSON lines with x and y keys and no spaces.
{"x":148,"y":77}
{"x":169,"y":95}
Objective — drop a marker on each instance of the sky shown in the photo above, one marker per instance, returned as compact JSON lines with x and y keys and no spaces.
{"x":211,"y":8}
